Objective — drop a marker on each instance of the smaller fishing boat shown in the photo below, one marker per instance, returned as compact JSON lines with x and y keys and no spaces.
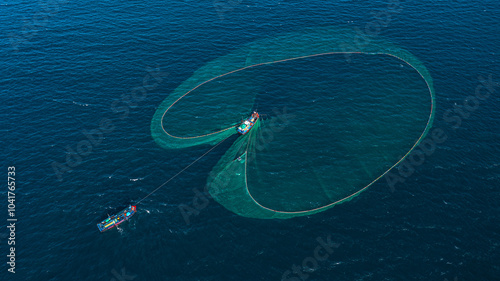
{"x":115,"y":220}
{"x":248,"y":124}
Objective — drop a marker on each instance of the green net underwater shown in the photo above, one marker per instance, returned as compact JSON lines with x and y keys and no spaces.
{"x":340,"y":110}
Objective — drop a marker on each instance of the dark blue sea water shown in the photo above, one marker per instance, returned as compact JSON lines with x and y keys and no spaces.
{"x":68,"y":70}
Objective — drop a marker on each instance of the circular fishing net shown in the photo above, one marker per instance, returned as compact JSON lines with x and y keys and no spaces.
{"x":339,"y":111}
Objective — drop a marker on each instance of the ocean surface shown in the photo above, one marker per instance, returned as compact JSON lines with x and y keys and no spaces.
{"x":69,"y":76}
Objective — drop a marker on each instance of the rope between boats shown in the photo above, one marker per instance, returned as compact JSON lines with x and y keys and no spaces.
{"x":181,"y":171}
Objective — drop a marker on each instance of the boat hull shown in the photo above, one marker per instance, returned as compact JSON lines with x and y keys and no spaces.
{"x":115,"y":220}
